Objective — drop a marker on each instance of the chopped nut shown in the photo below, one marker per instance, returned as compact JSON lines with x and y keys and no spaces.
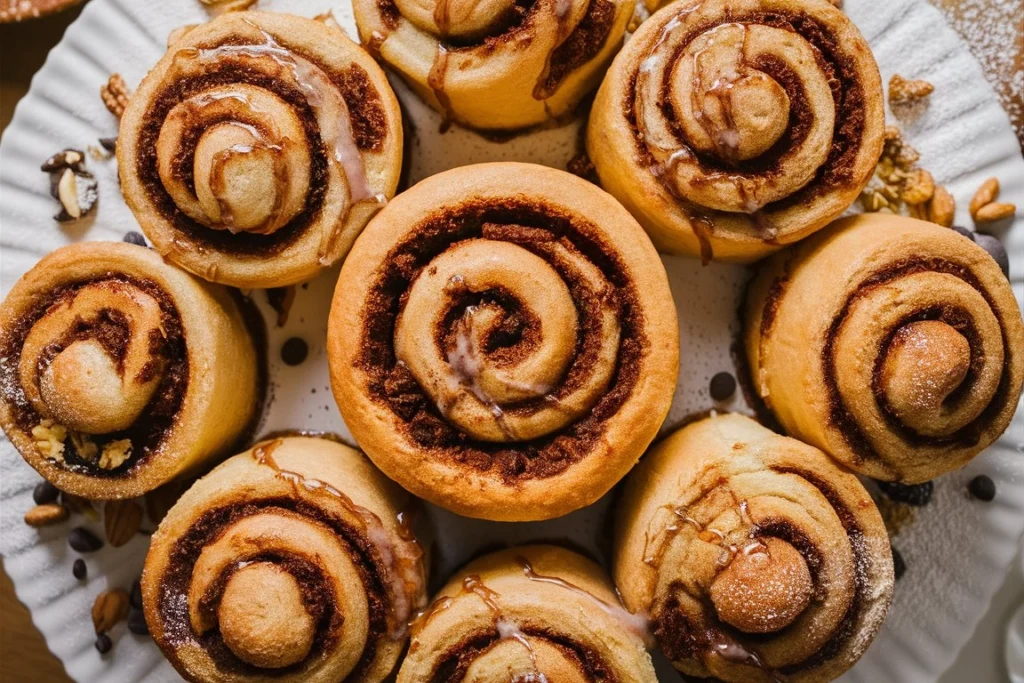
{"x":115,"y":95}
{"x":115,"y":453}
{"x":996,"y":211}
{"x":68,"y":158}
{"x":121,"y":521}
{"x":85,"y":447}
{"x":110,"y":607}
{"x":942,"y":207}
{"x":46,"y":514}
{"x":221,"y":6}
{"x":919,"y":188}
{"x":905,"y":91}
{"x":986,"y":194}
{"x":49,"y":438}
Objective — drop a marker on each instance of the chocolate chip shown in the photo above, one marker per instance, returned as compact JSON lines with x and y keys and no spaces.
{"x":137,"y":623}
{"x":723,"y":386}
{"x":996,"y":250}
{"x":899,"y":565}
{"x":109,"y":144}
{"x":135,"y":597}
{"x":294,"y":351}
{"x":79,"y":570}
{"x":68,"y":158}
{"x":83,"y":540}
{"x":982,"y":488}
{"x":44,"y":493}
{"x":911,"y":494}
{"x":969,"y":234}
{"x":134,"y":238}
{"x":103,"y":643}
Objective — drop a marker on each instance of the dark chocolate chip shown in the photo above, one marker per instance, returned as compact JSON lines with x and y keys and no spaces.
{"x":911,"y":494}
{"x":982,"y":488}
{"x":109,"y":144}
{"x":103,"y":643}
{"x":134,"y":238}
{"x":137,"y":622}
{"x":44,"y":493}
{"x":294,"y":351}
{"x":723,"y":386}
{"x":996,"y":250}
{"x":135,"y":597}
{"x":899,"y":565}
{"x":969,"y":234}
{"x":83,"y":540}
{"x":79,"y":570}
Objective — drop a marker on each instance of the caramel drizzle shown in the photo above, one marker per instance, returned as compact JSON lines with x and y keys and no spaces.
{"x":403,"y":565}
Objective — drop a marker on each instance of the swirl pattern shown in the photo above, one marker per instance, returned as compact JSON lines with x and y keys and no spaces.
{"x":731,"y":128}
{"x":756,"y":558}
{"x":111,"y":359}
{"x":531,"y":614}
{"x":258,"y":148}
{"x":913,"y":338}
{"x":497,"y":65}
{"x":503,"y":322}
{"x":263,"y":570}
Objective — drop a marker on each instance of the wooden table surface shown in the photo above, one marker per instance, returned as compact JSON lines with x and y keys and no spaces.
{"x":23,"y":47}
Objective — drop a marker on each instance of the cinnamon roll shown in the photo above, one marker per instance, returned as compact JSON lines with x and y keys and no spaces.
{"x":290,"y":562}
{"x":732,"y":127}
{"x":503,"y":342}
{"x":498,"y":65}
{"x":756,"y":557}
{"x":894,"y":345}
{"x":257,"y":149}
{"x":537,"y":613}
{"x":119,"y":372}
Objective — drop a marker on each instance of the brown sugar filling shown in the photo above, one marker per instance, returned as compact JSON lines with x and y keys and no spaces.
{"x":111,"y":331}
{"x":534,"y":226}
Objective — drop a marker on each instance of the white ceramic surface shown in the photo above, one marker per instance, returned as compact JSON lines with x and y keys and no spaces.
{"x":956,"y":553}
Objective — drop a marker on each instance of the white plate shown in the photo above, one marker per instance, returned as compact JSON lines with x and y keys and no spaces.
{"x":956,"y":553}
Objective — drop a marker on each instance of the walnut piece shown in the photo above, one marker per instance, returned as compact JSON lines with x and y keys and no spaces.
{"x":905,"y":91}
{"x":49,"y":437}
{"x":115,"y":95}
{"x":919,"y":187}
{"x":115,"y":453}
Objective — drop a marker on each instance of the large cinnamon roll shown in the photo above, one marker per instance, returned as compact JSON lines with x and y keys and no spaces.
{"x":497,"y":65}
{"x":528,"y":615}
{"x":732,"y":127}
{"x":290,"y":562}
{"x":503,"y":341}
{"x":259,"y":146}
{"x":894,"y":345}
{"x":756,"y":558}
{"x":119,"y":372}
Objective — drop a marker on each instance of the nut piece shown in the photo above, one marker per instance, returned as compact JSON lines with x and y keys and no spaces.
{"x":46,"y":514}
{"x":942,"y":207}
{"x":906,"y":91}
{"x":217,"y":7}
{"x":121,"y":521}
{"x":919,"y":187}
{"x":986,"y":194}
{"x":49,"y":437}
{"x":995,"y":211}
{"x":110,"y":607}
{"x":115,"y":453}
{"x":115,"y":95}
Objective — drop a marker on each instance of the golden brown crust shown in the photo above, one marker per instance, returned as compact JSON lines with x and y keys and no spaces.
{"x":730,"y":129}
{"x":503,"y":341}
{"x":160,"y":347}
{"x":892,"y":344}
{"x":756,"y":557}
{"x":256,"y":150}
{"x":531,"y":613}
{"x":293,"y":560}
{"x":496,"y":65}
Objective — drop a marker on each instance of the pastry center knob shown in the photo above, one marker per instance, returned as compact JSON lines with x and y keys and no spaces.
{"x":764,"y":588}
{"x":240,"y":179}
{"x":926,"y":362}
{"x":263,"y":619}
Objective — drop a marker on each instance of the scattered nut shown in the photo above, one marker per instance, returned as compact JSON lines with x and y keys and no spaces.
{"x":74,"y":187}
{"x":942,"y":207}
{"x":906,"y":91}
{"x":110,"y":607}
{"x":121,"y":521}
{"x":49,"y":438}
{"x":46,"y":514}
{"x":115,"y":453}
{"x":85,"y":447}
{"x":69,"y":158}
{"x":996,"y":211}
{"x":919,"y":187}
{"x":115,"y":95}
{"x":986,"y":194}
